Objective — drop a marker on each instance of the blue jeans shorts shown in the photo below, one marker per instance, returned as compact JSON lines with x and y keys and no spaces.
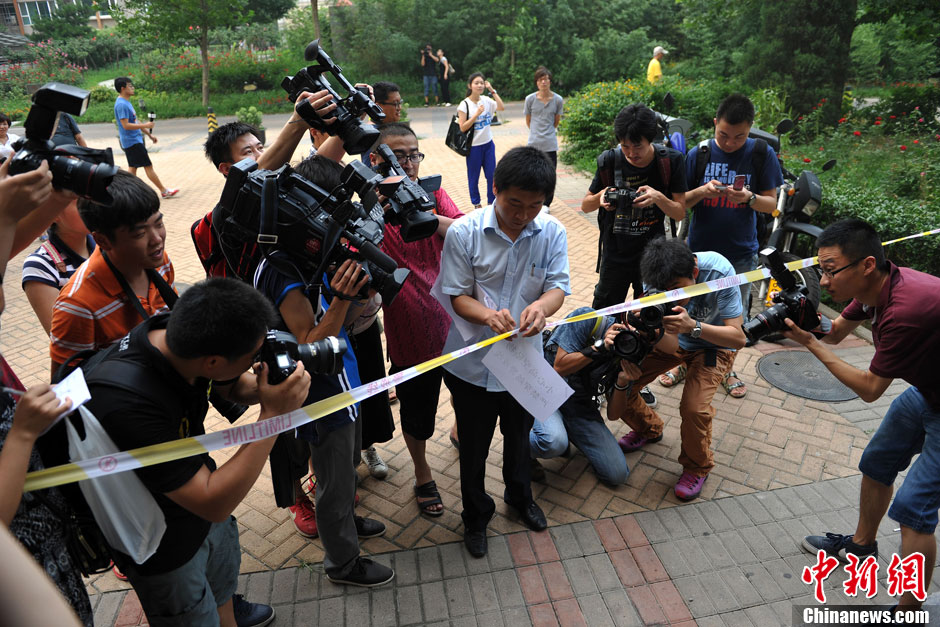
{"x":910,"y":427}
{"x":192,"y":593}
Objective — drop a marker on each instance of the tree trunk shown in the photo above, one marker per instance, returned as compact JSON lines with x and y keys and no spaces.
{"x":315,"y":7}
{"x":204,"y":51}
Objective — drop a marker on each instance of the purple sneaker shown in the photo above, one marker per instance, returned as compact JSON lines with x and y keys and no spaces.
{"x":634,"y":441}
{"x":689,"y":486}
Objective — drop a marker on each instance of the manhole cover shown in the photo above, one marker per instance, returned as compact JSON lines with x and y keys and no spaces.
{"x":801,"y":374}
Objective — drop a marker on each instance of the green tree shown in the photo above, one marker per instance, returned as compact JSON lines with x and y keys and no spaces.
{"x":267,"y":11}
{"x":69,"y":20}
{"x":182,"y":21}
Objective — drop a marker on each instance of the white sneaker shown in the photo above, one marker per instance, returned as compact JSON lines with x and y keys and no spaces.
{"x":377,"y":467}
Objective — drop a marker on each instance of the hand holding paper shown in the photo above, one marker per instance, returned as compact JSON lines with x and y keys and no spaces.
{"x":38,"y":410}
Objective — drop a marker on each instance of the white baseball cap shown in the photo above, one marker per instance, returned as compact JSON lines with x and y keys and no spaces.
{"x":659,"y":49}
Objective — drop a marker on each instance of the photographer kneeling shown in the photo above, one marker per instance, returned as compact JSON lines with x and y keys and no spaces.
{"x":703,"y":334}
{"x":904,"y":308}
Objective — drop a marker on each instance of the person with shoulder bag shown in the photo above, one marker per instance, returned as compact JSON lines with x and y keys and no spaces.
{"x":477,"y":111}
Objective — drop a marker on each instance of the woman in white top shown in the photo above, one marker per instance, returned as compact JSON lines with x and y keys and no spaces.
{"x":6,"y":138}
{"x":477,"y":111}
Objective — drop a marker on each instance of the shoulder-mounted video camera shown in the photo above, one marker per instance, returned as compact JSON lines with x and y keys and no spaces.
{"x":357,"y":135}
{"x":792,"y":302}
{"x":280,"y":211}
{"x":410,"y":203}
{"x":86,"y":171}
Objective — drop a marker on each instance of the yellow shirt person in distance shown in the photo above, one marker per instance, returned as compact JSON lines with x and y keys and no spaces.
{"x":654,"y":70}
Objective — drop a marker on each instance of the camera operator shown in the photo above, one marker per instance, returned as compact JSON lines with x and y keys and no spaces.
{"x":904,"y":308}
{"x":26,"y":200}
{"x":429,"y":70}
{"x":310,"y":314}
{"x":581,"y":352}
{"x":415,"y":323}
{"x":703,"y":334}
{"x":657,"y":174}
{"x":213,"y":334}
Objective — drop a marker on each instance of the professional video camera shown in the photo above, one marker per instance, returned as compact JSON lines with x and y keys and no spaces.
{"x":311,"y":228}
{"x":358,"y":137}
{"x":633,"y":344}
{"x":792,"y":302}
{"x":410,"y":203}
{"x":281,"y":352}
{"x":85,"y":171}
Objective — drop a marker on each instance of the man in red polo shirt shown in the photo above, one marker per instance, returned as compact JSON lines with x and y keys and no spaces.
{"x":904,"y":308}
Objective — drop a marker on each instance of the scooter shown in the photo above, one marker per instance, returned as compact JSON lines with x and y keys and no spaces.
{"x":797,"y":200}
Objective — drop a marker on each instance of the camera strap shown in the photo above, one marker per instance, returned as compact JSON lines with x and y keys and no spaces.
{"x":166,"y":292}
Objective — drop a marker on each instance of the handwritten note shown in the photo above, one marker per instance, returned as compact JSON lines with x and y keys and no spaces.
{"x":73,"y":387}
{"x":520,"y":366}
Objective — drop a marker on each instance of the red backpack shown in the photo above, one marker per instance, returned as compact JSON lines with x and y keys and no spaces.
{"x":218,"y":262}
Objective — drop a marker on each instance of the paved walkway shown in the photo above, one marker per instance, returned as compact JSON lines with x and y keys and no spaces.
{"x":625,"y":556}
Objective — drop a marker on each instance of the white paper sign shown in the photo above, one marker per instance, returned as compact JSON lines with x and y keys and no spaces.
{"x":468,"y":331}
{"x":73,"y":387}
{"x":520,"y":366}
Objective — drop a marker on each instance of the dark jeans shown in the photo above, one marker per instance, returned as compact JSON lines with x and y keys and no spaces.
{"x":445,"y":89}
{"x":476,"y":411}
{"x":614,"y":281}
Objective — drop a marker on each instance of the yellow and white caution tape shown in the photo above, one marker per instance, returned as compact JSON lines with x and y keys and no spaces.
{"x":244,"y":434}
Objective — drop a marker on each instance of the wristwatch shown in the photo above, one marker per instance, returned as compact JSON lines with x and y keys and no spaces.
{"x":750,"y":201}
{"x":595,"y":350}
{"x":697,"y":331}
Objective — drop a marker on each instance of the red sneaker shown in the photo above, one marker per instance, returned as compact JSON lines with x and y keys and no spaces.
{"x":170,"y":193}
{"x":305,"y":517}
{"x":689,"y":486}
{"x":117,"y":573}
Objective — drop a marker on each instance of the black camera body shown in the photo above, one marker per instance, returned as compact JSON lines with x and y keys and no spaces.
{"x":634,"y":344}
{"x":281,"y":352}
{"x":280,"y":211}
{"x":86,"y":171}
{"x":792,"y":302}
{"x":410,"y":203}
{"x":620,"y":198}
{"x":357,"y":135}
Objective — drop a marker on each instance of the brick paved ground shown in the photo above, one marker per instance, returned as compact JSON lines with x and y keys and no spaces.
{"x":625,"y":556}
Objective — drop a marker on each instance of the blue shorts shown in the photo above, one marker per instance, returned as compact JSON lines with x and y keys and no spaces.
{"x":192,"y":593}
{"x":910,"y":427}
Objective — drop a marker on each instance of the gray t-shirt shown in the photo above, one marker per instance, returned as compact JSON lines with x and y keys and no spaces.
{"x":542,"y":133}
{"x":713,"y":307}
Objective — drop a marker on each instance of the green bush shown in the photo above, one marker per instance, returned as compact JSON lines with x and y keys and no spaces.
{"x":250,"y":116}
{"x":180,"y":69}
{"x":189,"y":105}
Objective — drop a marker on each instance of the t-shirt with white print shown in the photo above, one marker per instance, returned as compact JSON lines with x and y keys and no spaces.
{"x":482,"y":134}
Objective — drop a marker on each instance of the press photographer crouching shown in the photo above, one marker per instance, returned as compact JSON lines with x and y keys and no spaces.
{"x":903,"y":306}
{"x":213,"y":334}
{"x":703,"y":333}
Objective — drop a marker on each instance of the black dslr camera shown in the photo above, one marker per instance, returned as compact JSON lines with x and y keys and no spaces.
{"x":279,"y":211}
{"x":281,"y":352}
{"x":791,"y":302}
{"x":410,"y":203}
{"x":358,"y":136}
{"x":621,"y":200}
{"x":634,"y":344}
{"x":85,"y":171}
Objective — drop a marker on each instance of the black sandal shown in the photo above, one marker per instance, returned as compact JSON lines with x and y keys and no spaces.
{"x":429,"y":491}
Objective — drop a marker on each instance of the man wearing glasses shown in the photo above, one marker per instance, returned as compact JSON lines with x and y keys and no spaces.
{"x":658,"y":175}
{"x":903,"y":306}
{"x":388,"y":96}
{"x":415,"y":323}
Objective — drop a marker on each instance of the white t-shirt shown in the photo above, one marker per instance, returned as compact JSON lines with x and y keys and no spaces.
{"x":482,"y":133}
{"x":6,"y":148}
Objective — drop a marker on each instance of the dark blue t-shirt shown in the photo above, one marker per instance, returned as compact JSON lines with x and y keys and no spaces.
{"x":275,"y":285}
{"x":717,"y":223}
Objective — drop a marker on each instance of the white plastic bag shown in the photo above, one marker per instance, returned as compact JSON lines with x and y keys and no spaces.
{"x":124,"y":509}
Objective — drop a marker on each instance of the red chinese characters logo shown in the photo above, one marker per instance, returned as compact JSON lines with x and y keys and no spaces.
{"x":819,"y":573}
{"x":907,"y":575}
{"x":864,"y":576}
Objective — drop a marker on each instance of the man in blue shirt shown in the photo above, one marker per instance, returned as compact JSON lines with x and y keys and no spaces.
{"x":702,"y":335}
{"x":724,"y":220}
{"x":131,"y":137}
{"x":503,"y":264}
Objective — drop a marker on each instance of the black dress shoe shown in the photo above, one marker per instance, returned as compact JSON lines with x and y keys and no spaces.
{"x":476,"y":542}
{"x":533,"y":517}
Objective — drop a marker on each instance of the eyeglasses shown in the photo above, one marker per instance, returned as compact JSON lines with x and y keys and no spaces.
{"x":397,"y":104}
{"x":415,"y":157}
{"x":831,"y":273}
